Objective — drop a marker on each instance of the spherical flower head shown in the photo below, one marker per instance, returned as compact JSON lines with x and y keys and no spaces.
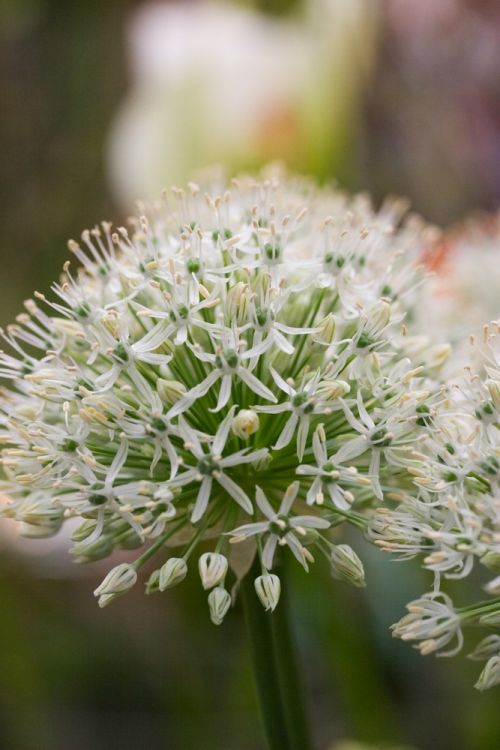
{"x":232,"y":375}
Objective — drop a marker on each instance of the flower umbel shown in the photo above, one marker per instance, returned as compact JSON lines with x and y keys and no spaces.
{"x":235,"y":367}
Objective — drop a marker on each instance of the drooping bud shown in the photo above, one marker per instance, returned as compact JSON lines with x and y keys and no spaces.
{"x":493,"y":587}
{"x":489,"y":646}
{"x":172,"y":572}
{"x":490,"y":676}
{"x":119,"y":580}
{"x":170,"y":391}
{"x":346,"y":565}
{"x":219,"y":602}
{"x":268,"y":589}
{"x":245,"y":423}
{"x":213,"y":569}
{"x":491,"y":560}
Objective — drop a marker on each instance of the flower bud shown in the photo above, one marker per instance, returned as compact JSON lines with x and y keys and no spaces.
{"x":170,"y":391}
{"x":325,"y":333}
{"x":491,"y":560}
{"x":245,"y":423}
{"x":219,"y":602}
{"x":437,"y":356}
{"x":330,"y":389}
{"x":379,"y":316}
{"x":153,"y":582}
{"x":172,"y":572}
{"x":119,"y":580}
{"x":346,"y":565}
{"x":493,"y":587}
{"x":84,"y":552}
{"x":493,"y":387}
{"x":213,"y":569}
{"x":490,"y":676}
{"x":84,"y":530}
{"x":489,"y":646}
{"x":237,"y":303}
{"x":490,"y":620}
{"x":268,"y":589}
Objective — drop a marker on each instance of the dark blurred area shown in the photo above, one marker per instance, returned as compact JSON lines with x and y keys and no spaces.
{"x":409,"y":103}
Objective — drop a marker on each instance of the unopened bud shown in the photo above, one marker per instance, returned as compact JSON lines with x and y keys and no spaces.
{"x":489,"y":646}
{"x":346,"y":565}
{"x":490,"y":676}
{"x":493,"y":587}
{"x":379,"y":316}
{"x":245,"y":423}
{"x":213,"y":569}
{"x":332,"y":389}
{"x":172,"y":572}
{"x":268,"y":589}
{"x":493,"y":387}
{"x":219,"y":602}
{"x":119,"y":580}
{"x":237,"y":303}
{"x":170,"y":391}
{"x":437,"y":356}
{"x":325,"y":333}
{"x":491,"y":560}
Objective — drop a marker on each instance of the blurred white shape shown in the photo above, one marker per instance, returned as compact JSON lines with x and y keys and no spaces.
{"x":213,"y":82}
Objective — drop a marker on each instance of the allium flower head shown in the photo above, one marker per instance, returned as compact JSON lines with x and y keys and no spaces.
{"x":233,"y":375}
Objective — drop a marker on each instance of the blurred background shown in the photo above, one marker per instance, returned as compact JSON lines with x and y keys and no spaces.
{"x":106,"y":102}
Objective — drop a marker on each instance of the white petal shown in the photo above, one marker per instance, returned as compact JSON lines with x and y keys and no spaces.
{"x":255,"y":385}
{"x":319,"y":448}
{"x":287,"y":432}
{"x":224,"y":427}
{"x":224,"y":393}
{"x":190,"y":397}
{"x":296,"y":548}
{"x":236,"y":492}
{"x":202,"y":499}
{"x":269,"y":550}
{"x":302,"y":434}
{"x":310,"y":522}
{"x":264,"y":504}
{"x":282,"y":383}
{"x":289,"y":498}
{"x":117,"y":464}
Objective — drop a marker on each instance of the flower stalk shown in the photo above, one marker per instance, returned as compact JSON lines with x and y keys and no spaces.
{"x":278,"y":682}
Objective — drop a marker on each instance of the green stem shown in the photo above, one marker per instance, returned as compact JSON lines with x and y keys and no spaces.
{"x":276,"y":675}
{"x":290,"y":678}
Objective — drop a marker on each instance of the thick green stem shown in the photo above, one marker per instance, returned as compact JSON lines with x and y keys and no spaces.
{"x":276,"y":675}
{"x":291,"y":680}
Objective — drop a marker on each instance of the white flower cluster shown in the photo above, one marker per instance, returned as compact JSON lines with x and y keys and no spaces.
{"x":451,"y":516}
{"x":233,"y":375}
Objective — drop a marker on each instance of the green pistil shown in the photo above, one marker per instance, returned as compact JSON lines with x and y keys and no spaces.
{"x":193,"y":265}
{"x":82,"y":310}
{"x":381,"y":439}
{"x":272,"y":252}
{"x":207,"y":466}
{"x":364,"y":341}
{"x":278,"y":528}
{"x":120,"y":353}
{"x":69,"y":446}
{"x":425,"y":419}
{"x":261,"y":316}
{"x":158,"y":424}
